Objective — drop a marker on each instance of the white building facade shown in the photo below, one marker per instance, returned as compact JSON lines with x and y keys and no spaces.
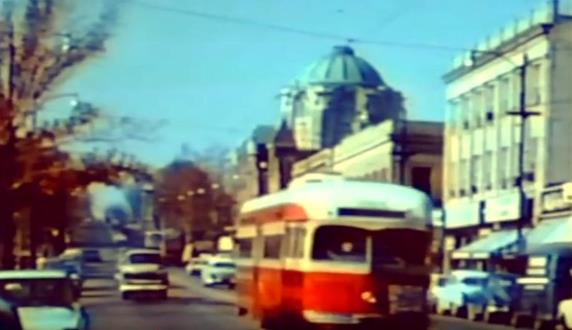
{"x":482,"y":133}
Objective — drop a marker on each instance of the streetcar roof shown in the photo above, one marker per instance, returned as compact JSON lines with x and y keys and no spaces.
{"x":327,"y":199}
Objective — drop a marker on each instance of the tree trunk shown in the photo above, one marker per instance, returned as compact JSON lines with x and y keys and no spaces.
{"x":7,"y":201}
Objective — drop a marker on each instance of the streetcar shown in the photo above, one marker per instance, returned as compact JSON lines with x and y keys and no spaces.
{"x":335,"y":251}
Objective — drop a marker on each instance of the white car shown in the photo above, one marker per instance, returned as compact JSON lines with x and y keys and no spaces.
{"x":141,"y":273}
{"x":565,"y":313}
{"x":460,"y":289}
{"x":219,"y":270}
{"x":45,"y":299}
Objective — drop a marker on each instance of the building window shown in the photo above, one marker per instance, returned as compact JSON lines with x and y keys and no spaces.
{"x":515,"y":163}
{"x":504,"y":159}
{"x":452,"y":179}
{"x":487,"y":170}
{"x":489,"y":98}
{"x":463,"y":176}
{"x":514,"y":91}
{"x":531,"y":154}
{"x":476,"y":174}
{"x":477,"y":109}
{"x":465,"y":113}
{"x":504,"y":94}
{"x":533,"y":95}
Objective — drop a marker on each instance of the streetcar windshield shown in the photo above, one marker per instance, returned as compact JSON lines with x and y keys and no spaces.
{"x":399,"y":246}
{"x":340,"y":243}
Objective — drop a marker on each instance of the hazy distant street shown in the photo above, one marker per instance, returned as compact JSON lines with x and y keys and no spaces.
{"x":190,"y":306}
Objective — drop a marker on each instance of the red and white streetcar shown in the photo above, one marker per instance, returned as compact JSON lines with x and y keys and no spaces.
{"x":335,"y":251}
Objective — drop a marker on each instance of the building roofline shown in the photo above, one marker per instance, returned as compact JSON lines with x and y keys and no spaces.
{"x":488,"y":56}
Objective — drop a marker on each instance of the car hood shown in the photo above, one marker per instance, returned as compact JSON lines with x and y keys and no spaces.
{"x":48,"y":318}
{"x":139,"y":268}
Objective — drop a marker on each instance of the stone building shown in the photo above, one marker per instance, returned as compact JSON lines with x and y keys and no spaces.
{"x":336,"y":96}
{"x":487,"y":198}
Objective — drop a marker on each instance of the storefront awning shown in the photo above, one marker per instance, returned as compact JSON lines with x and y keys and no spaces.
{"x":550,"y":233}
{"x":484,"y":247}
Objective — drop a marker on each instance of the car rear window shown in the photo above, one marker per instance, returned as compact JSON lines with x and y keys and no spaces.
{"x":224,"y":265}
{"x":145,"y":258}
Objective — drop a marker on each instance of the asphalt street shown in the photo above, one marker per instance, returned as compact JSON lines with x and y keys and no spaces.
{"x":191,"y":306}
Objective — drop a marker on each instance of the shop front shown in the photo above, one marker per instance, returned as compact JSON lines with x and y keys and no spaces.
{"x":461,"y":221}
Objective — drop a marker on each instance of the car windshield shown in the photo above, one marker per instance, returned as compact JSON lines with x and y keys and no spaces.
{"x":442,"y":281}
{"x":224,"y":265}
{"x":145,"y":258}
{"x":475,"y":281}
{"x":340,"y":243}
{"x":38,"y":292}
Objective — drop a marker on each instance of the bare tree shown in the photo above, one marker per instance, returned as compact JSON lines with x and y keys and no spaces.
{"x":38,"y":51}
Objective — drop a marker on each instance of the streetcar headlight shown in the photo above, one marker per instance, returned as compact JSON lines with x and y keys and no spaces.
{"x":369,"y":297}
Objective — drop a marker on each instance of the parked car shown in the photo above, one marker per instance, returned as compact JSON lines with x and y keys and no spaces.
{"x":9,"y":319}
{"x":473,"y":292}
{"x":72,"y":268}
{"x":141,"y":273}
{"x":44,"y":299}
{"x":219,"y":270}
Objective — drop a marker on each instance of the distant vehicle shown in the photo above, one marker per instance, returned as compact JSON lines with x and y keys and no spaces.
{"x":153,"y":239}
{"x":90,"y":261}
{"x":219,"y":270}
{"x":169,"y":241}
{"x":141,"y":273}
{"x":44,"y":299}
{"x":361,"y":248}
{"x":196,"y":265}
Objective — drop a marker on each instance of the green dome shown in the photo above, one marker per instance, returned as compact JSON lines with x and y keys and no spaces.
{"x":341,"y":67}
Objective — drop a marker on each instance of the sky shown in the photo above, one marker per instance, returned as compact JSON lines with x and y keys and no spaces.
{"x":212,"y":81}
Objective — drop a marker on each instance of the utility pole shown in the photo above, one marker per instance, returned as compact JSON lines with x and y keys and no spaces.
{"x":403,"y":152}
{"x":523,"y":114}
{"x":555,"y":11}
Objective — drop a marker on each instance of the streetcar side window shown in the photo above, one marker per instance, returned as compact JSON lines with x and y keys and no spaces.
{"x":244,"y":248}
{"x":272,"y":246}
{"x":339,"y":243}
{"x":298,"y":249}
{"x":294,"y":243}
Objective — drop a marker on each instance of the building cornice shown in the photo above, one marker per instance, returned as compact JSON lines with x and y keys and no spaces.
{"x":487,"y":56}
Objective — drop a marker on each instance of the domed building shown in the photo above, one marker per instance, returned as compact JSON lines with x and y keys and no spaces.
{"x":336,"y":96}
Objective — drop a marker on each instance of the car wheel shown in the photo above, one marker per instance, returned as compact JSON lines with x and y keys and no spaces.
{"x":125,"y":295}
{"x":163,"y":295}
